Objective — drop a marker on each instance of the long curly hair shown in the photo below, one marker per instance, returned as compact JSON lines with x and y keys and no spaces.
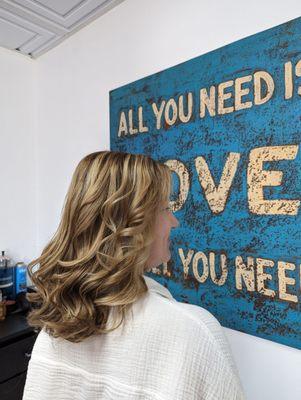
{"x":95,"y":261}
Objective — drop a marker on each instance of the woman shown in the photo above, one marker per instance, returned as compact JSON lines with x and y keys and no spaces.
{"x":107,"y":330}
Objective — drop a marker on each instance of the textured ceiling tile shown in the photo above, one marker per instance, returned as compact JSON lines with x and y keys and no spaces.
{"x":35,"y":26}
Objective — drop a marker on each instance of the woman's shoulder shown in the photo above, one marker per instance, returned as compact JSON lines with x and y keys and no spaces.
{"x":192,"y":316}
{"x":194,"y":312}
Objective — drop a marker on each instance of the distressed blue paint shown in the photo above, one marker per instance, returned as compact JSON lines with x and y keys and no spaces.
{"x":235,"y":231}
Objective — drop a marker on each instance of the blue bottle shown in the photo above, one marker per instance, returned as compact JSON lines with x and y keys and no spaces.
{"x":20,"y":278}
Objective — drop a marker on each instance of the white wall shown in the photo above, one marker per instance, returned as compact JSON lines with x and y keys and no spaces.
{"x":17,"y":161}
{"x":136,"y":39}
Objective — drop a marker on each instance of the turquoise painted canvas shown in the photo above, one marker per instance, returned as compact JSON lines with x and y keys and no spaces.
{"x":228,"y":124}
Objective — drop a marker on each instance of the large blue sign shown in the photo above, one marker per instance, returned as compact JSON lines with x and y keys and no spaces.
{"x":228,"y":124}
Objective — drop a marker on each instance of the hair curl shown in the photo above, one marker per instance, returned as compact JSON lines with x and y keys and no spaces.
{"x":95,"y":261}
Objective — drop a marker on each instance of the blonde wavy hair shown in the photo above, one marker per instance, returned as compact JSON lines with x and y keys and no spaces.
{"x":95,"y":261}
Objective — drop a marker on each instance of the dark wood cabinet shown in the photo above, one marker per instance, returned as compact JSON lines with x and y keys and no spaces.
{"x":16,"y":341}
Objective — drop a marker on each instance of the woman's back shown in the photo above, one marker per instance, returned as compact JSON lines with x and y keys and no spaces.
{"x":165,"y":350}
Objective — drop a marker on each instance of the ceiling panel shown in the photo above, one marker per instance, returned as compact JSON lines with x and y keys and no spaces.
{"x":60,"y":7}
{"x":11,"y":35}
{"x":34,"y":26}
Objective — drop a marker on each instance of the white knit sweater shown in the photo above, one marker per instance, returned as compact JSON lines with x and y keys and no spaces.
{"x":168,"y":350}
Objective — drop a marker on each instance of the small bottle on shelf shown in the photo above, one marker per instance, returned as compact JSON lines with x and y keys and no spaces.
{"x":2,"y":307}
